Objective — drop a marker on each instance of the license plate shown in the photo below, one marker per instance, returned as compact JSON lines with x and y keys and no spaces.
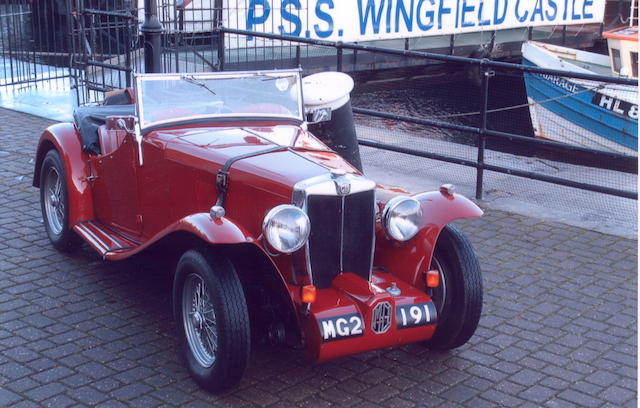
{"x":341,"y":327}
{"x":414,"y":315}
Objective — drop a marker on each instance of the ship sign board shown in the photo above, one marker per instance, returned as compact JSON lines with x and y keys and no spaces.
{"x":367,"y":20}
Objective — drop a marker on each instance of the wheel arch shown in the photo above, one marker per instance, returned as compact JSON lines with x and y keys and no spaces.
{"x":410,"y":259}
{"x":264,"y":286}
{"x":65,"y":140}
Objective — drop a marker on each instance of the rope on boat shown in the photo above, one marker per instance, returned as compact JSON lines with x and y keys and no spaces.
{"x":506,"y":108}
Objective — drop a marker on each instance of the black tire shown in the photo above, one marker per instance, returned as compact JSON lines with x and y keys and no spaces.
{"x":54,"y":203}
{"x":220,"y":365}
{"x":460,"y":307}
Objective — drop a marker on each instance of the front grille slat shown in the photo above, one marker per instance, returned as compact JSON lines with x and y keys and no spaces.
{"x":358,"y":242}
{"x":332,"y":243}
{"x":324,"y":240}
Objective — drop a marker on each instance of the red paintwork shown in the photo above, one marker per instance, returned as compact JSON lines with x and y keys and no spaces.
{"x":120,"y":208}
{"x":407,"y":260}
{"x":352,"y":294}
{"x":64,"y":138}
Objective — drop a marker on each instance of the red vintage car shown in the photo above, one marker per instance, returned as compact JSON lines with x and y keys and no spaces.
{"x":277,"y":235}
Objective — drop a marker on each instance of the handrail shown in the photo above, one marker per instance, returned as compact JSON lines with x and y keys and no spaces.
{"x":482,"y":62}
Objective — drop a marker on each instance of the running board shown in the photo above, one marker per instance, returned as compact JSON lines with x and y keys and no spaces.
{"x":103,"y":239}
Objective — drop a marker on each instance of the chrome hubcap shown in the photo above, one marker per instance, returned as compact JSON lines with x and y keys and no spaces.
{"x":53,"y":203}
{"x":199,"y":320}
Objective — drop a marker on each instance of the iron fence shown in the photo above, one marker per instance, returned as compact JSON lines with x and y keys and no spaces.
{"x":100,"y":45}
{"x":480,"y":134}
{"x":34,"y":42}
{"x":106,"y":46}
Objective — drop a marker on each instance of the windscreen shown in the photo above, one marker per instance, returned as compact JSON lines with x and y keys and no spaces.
{"x":165,"y":98}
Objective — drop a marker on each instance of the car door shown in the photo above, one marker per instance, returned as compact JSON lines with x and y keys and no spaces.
{"x":115,"y":188}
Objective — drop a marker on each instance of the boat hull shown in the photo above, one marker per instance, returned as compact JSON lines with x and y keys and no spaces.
{"x":570,"y":112}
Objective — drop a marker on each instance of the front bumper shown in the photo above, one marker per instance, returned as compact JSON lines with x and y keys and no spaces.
{"x":355,"y":315}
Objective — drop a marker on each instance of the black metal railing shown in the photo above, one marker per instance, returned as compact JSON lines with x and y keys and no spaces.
{"x":34,"y":42}
{"x":102,"y":46}
{"x":544,"y":148}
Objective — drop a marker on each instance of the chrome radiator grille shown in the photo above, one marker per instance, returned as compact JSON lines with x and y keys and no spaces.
{"x":342,"y":235}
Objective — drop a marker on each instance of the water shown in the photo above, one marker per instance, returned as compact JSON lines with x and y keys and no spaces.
{"x":454,"y":98}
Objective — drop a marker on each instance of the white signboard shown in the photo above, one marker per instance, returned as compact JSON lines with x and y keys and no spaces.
{"x":365,"y":20}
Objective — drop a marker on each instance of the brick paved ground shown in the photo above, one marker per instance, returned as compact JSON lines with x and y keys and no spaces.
{"x":558,"y":328}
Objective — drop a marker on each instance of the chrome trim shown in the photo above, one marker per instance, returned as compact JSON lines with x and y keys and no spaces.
{"x":327,"y":184}
{"x":381,"y":318}
{"x":394,"y":202}
{"x":448,"y":189}
{"x":138,"y":77}
{"x":272,"y":213}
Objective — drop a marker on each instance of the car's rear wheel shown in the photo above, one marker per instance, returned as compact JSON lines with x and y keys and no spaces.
{"x":212,"y":319}
{"x":458,"y":298}
{"x":54,"y":202}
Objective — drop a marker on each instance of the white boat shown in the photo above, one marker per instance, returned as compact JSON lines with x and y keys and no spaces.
{"x":597,"y":115}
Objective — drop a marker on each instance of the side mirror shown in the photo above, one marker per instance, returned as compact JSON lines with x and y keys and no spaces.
{"x":318,"y":115}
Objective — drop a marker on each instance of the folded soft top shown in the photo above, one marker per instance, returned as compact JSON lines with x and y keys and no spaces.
{"x":89,"y":118}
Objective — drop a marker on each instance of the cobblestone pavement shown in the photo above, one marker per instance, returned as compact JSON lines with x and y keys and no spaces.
{"x":558,"y":327}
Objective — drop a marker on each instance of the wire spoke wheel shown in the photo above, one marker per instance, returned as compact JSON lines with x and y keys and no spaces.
{"x":199,"y":320}
{"x":54,"y":201}
{"x":212,"y":319}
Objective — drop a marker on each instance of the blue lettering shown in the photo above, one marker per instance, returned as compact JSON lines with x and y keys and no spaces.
{"x":457,"y":13}
{"x":442,"y":11}
{"x":408,"y":18}
{"x":466,"y":9}
{"x":499,"y":20}
{"x":252,"y":19}
{"x":290,"y":17}
{"x":552,"y":4}
{"x":537,"y":10}
{"x":428,"y":14}
{"x":566,"y":7}
{"x":523,"y":17}
{"x":574,"y":16}
{"x":585,"y":14}
{"x":369,"y":13}
{"x":324,"y":16}
{"x":482,"y":22}
{"x":390,"y":4}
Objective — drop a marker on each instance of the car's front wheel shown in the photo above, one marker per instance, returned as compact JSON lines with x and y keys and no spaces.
{"x":212,"y":319}
{"x":458,"y":298}
{"x":54,"y":202}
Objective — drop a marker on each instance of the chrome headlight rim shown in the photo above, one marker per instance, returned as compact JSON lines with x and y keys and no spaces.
{"x":387,"y":214}
{"x":271,"y":216}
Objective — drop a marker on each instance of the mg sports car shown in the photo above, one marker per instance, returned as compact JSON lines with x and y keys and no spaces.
{"x":276,"y":236}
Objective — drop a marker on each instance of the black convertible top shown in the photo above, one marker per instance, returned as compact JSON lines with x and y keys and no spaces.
{"x":89,"y":118}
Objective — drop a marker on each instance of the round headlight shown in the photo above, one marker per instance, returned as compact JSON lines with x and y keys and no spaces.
{"x":401,"y":218}
{"x":286,"y":228}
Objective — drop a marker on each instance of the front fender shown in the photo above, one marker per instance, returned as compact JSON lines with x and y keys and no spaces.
{"x":407,"y":260}
{"x":213,"y":231}
{"x":65,"y":139}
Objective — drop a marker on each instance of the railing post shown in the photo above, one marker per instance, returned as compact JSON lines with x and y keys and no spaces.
{"x":298,"y":56}
{"x":484,"y":97}
{"x":339,"y":56}
{"x":221,"y":50}
{"x":151,"y":31}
